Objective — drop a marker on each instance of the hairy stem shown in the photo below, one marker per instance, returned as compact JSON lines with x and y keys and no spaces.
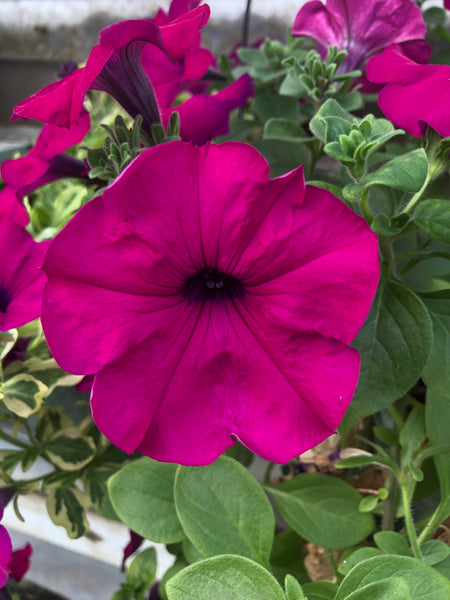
{"x":409,"y":520}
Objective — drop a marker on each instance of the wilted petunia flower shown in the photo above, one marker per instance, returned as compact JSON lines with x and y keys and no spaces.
{"x":364,"y":29}
{"x":415,"y":95}
{"x":212,"y":303}
{"x":114,"y":67}
{"x":44,"y":163}
{"x":5,"y":553}
{"x":21,"y":281}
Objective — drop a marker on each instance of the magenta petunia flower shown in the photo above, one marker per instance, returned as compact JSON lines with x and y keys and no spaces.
{"x":44,"y":163}
{"x":21,"y":280}
{"x":212,"y":303}
{"x":5,"y":552}
{"x":114,"y":67}
{"x":170,"y":77}
{"x":364,"y":29}
{"x":203,"y":118}
{"x":415,"y":95}
{"x":447,"y":4}
{"x":19,"y":562}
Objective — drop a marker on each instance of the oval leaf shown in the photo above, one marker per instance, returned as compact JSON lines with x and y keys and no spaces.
{"x":224,"y":510}
{"x":224,"y":577}
{"x":433,"y":216}
{"x":69,"y":450}
{"x":24,"y":395}
{"x":386,"y":589}
{"x":323,"y":510}
{"x":142,"y":495}
{"x":394,"y":344}
{"x":424,"y":583}
{"x":67,"y":507}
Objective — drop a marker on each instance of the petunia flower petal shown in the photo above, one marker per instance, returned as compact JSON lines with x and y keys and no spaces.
{"x":363,"y":29}
{"x":415,"y":95}
{"x":21,"y":281}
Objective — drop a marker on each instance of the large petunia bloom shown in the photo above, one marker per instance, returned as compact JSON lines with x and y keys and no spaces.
{"x":44,"y":163}
{"x":114,"y":67}
{"x":21,"y":280}
{"x":212,"y":303}
{"x":364,"y":29}
{"x":415,"y":95}
{"x":5,"y":553}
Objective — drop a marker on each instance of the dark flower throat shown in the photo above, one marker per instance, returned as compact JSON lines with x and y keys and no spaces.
{"x":212,"y":284}
{"x":5,"y":299}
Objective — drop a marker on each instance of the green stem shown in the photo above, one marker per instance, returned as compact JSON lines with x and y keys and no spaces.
{"x":333,"y":565}
{"x":396,"y":416}
{"x":365,"y":207}
{"x":268,"y":473}
{"x":409,"y":521}
{"x":11,"y":440}
{"x":434,"y":522}
{"x":418,"y":194}
{"x":390,"y":504}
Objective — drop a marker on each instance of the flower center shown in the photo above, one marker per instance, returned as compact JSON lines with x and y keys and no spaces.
{"x":5,"y":299}
{"x":212,"y":284}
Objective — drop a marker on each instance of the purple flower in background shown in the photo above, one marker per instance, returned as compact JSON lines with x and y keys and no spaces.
{"x":364,"y":29}
{"x":19,"y":563}
{"x":212,"y":303}
{"x":415,"y":95}
{"x":133,"y":545}
{"x":21,"y":280}
{"x":5,"y":553}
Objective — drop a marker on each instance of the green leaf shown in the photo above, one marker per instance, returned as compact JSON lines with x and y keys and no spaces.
{"x":353,"y":558}
{"x":434,"y":551}
{"x":323,"y":510}
{"x":362,"y":460}
{"x":368,"y":504}
{"x":433,"y":216}
{"x":423,"y":582}
{"x":285,"y":130}
{"x":406,"y":172}
{"x":268,"y":106}
{"x":49,"y":373}
{"x":386,"y":589}
{"x":436,"y":374}
{"x":224,"y":577}
{"x":394,"y":344}
{"x":7,"y":341}
{"x":142,"y":571}
{"x":142,"y":495}
{"x":330,"y":121}
{"x":391,"y":542}
{"x":24,"y":395}
{"x":413,"y":432}
{"x":437,"y":412}
{"x":293,"y":589}
{"x":287,"y":556}
{"x":69,"y":450}
{"x":320,"y":591}
{"x":67,"y":506}
{"x":224,"y":510}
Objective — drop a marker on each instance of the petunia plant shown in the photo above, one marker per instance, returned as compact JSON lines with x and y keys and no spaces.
{"x":225,"y":305}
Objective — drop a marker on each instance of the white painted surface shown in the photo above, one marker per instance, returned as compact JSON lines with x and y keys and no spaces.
{"x":29,"y":13}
